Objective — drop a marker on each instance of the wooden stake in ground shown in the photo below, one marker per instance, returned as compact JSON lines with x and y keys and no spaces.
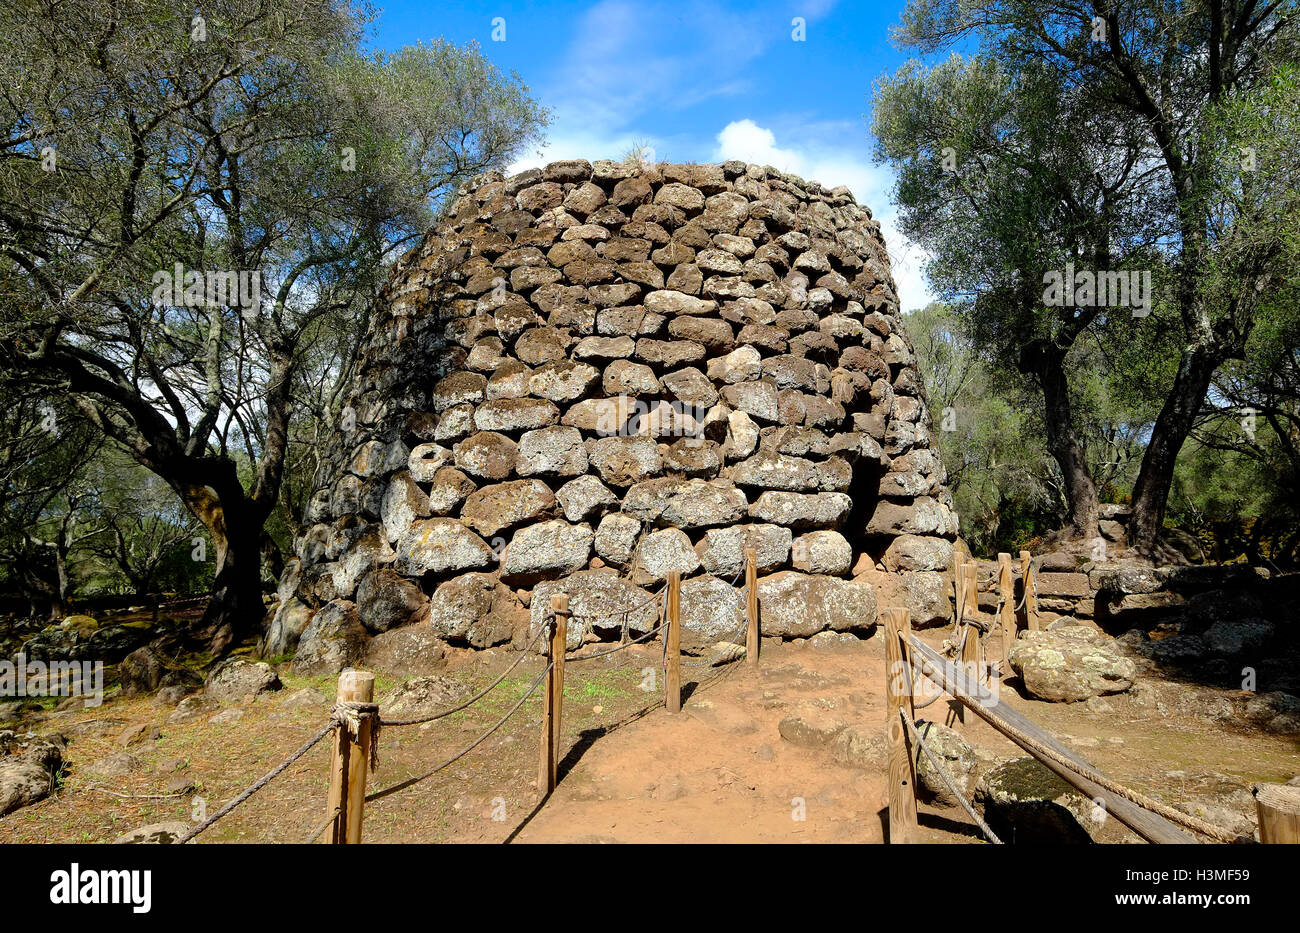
{"x":673,"y":643}
{"x":553,"y":695}
{"x":1031,"y":595}
{"x":1278,"y":808}
{"x":902,"y":773}
{"x":971,"y":648}
{"x":351,"y":762}
{"x":958,"y":594}
{"x":1006,"y":603}
{"x":751,"y":607}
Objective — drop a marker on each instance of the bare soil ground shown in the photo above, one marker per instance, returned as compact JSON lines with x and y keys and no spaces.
{"x":717,"y":772}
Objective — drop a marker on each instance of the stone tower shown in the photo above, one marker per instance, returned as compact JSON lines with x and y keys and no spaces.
{"x":590,"y":375}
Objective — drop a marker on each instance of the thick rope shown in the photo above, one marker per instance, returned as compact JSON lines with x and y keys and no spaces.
{"x":710,"y":661}
{"x":476,"y":697}
{"x":105,"y":790}
{"x":947,"y":780}
{"x":907,"y":673}
{"x":270,"y":776}
{"x":1142,"y":800}
{"x":467,"y":749}
{"x":571,"y":658}
{"x":324,"y":825}
{"x":349,"y":713}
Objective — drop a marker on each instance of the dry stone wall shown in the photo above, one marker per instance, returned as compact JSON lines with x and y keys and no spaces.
{"x":591,"y":375}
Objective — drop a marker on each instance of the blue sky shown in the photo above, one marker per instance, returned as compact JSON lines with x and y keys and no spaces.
{"x":696,"y":82}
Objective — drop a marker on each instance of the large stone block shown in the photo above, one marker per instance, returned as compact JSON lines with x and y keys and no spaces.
{"x":796,"y":605}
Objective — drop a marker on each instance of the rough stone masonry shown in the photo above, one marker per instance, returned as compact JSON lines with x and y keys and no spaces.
{"x":590,"y":375}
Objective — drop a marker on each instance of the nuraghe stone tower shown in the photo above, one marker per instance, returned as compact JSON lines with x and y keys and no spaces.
{"x":590,"y":375}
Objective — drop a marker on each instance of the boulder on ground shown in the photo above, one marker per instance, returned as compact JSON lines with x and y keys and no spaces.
{"x":193,"y":707}
{"x":955,"y":756}
{"x":423,"y":696}
{"x":240,"y":677}
{"x":141,"y":671}
{"x":861,"y":746}
{"x":28,"y":775}
{"x":1070,"y":664}
{"x":811,"y":725}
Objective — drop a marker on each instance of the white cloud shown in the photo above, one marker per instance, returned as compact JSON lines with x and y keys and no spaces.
{"x":747,"y":141}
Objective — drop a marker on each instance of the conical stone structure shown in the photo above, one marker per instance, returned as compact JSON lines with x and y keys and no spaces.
{"x":590,"y":375}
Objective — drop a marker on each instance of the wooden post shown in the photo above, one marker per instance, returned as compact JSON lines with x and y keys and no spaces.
{"x":1007,"y":602}
{"x":673,"y":642}
{"x":902,"y":774}
{"x":970,"y":650}
{"x":958,"y":594}
{"x":351,"y":762}
{"x":1031,"y":597}
{"x":751,"y":607}
{"x":1278,"y":809}
{"x":553,"y":695}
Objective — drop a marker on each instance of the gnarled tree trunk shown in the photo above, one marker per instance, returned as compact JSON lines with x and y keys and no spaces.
{"x":1151,"y":491}
{"x":1047,"y":362}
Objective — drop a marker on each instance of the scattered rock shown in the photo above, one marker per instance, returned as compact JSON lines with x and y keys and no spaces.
{"x":423,"y":696}
{"x":30,"y":775}
{"x":811,"y":726}
{"x":955,"y":756}
{"x":861,"y":746}
{"x":154,"y":834}
{"x":1026,"y":804}
{"x":240,"y":677}
{"x":191,"y":708}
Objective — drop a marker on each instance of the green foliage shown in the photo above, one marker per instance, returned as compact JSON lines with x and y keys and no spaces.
{"x":1159,"y":137}
{"x":989,"y":434}
{"x":244,"y":137}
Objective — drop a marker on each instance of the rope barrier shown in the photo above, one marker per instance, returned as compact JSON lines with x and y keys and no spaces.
{"x":467,"y":749}
{"x":600,"y":654}
{"x":478,"y":696}
{"x":911,"y":686}
{"x":270,"y":776}
{"x":348,"y":715}
{"x":1142,"y":800}
{"x":323,"y":826}
{"x":947,"y":780}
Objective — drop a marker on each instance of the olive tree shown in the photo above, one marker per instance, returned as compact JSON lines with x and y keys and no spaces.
{"x":192,"y":200}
